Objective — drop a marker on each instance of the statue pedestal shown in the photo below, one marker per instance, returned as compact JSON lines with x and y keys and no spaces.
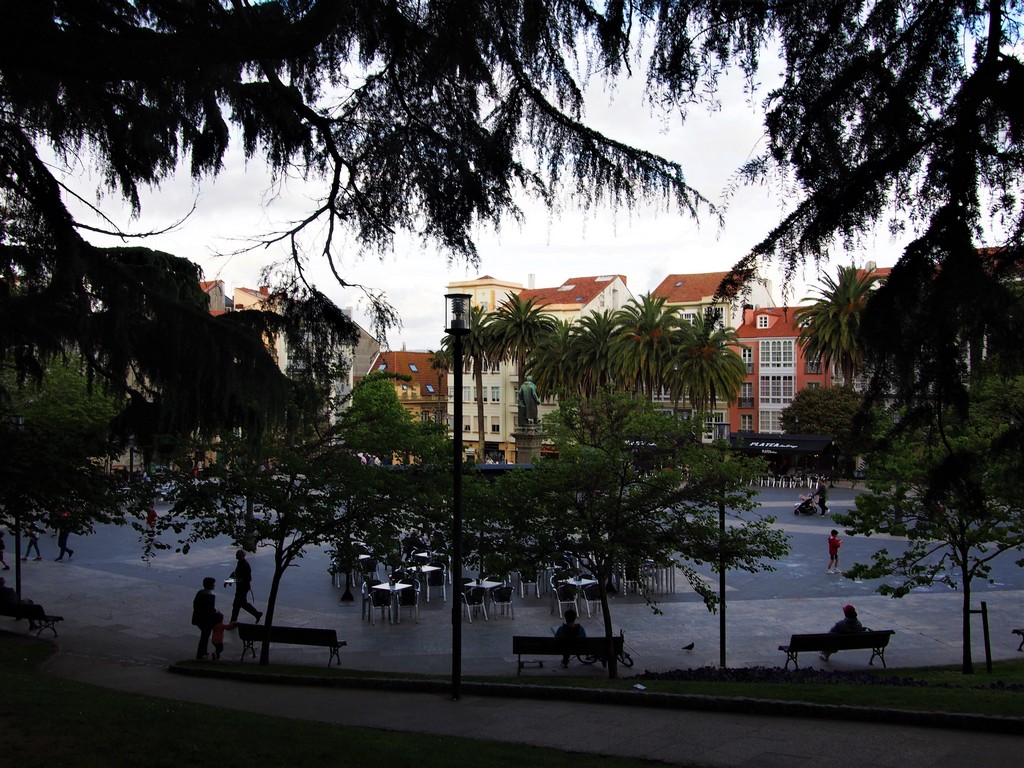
{"x":528,"y":440}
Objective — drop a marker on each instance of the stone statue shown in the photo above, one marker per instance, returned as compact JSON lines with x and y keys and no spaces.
{"x":527,"y":400}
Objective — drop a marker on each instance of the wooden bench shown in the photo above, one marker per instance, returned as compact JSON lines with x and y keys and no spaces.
{"x":34,"y":613}
{"x":830,"y":642}
{"x":1021,"y":633}
{"x":561,"y":646}
{"x":250,"y":634}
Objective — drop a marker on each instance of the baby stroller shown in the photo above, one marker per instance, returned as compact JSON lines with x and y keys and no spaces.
{"x":805,"y":506}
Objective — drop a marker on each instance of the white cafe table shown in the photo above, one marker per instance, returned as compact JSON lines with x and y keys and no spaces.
{"x":580,"y":584}
{"x":425,"y":569}
{"x":485,"y":584}
{"x":394,"y":589}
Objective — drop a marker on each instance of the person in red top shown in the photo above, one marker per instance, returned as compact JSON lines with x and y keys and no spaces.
{"x":834,"y":542}
{"x":217,"y":634}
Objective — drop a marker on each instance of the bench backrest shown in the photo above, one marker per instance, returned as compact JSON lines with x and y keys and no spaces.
{"x":555,"y":645}
{"x":295,"y":635}
{"x":841,"y":641}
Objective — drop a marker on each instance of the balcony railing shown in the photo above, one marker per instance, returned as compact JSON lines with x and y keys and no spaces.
{"x":745,"y":402}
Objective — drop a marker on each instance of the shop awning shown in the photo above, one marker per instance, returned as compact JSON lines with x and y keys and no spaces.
{"x":761,"y":444}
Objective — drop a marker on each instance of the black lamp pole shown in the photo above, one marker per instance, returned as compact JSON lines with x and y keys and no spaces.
{"x":457,"y":312}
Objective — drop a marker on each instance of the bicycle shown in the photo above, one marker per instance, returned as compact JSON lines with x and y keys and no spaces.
{"x":624,"y":658}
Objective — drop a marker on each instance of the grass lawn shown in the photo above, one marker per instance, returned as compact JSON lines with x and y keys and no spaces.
{"x":47,"y":721}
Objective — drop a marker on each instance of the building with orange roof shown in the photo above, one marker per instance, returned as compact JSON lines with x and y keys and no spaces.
{"x":694,"y":294}
{"x":578,"y":296}
{"x":777,"y":369}
{"x":422,"y":390}
{"x":569,"y":301}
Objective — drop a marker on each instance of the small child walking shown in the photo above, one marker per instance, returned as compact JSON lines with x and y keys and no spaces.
{"x":834,"y":543}
{"x":217,"y":634}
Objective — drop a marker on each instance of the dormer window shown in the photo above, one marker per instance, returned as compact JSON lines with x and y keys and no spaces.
{"x":762,"y":321}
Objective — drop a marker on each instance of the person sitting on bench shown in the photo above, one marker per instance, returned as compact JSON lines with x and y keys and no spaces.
{"x":847,"y":625}
{"x":9,"y":599}
{"x":569,"y":629}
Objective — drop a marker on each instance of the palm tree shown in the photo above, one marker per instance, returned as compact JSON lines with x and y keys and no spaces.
{"x":593,"y":349}
{"x":709,"y":367}
{"x":474,"y":352}
{"x":441,"y":364}
{"x":551,"y":361}
{"x":830,"y":326}
{"x":515,"y":329}
{"x":476,"y":347}
{"x":645,"y":346}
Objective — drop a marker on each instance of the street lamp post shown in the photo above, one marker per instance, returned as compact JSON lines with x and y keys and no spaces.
{"x":457,"y":325}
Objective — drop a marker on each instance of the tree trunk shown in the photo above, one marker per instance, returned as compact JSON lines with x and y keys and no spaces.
{"x":968,"y":662}
{"x":481,"y":432}
{"x":268,"y":618}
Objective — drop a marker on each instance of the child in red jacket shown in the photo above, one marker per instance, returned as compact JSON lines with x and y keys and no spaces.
{"x":834,"y":542}
{"x":217,"y":634}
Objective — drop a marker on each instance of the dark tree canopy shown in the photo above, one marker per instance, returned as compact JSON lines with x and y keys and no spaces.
{"x":430,"y":117}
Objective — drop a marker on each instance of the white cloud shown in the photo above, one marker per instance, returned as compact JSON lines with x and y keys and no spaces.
{"x":644,"y":245}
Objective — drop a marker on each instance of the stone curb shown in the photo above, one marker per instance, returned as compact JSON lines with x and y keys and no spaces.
{"x":731,"y":704}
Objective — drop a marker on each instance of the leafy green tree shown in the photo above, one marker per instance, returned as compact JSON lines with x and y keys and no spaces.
{"x":832,"y":411}
{"x":617,"y":495}
{"x":941,"y":491}
{"x":291,"y":490}
{"x":830,"y":326}
{"x":56,"y":437}
{"x":709,"y":367}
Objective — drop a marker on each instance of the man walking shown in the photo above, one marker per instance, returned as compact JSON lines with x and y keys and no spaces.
{"x":243,"y":583}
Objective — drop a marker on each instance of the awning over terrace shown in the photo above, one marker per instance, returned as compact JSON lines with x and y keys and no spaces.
{"x":763,"y":444}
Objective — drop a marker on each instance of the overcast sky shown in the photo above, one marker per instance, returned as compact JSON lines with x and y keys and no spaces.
{"x":644,"y":245}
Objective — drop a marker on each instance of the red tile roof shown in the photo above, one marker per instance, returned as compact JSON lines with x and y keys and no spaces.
{"x":689,"y":289}
{"x":781,"y":324}
{"x":578,"y":291}
{"x":414,"y":364}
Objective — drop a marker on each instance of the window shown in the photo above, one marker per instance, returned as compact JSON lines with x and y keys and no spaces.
{"x":495,"y":424}
{"x":771,"y":421}
{"x":812,"y":366}
{"x":746,"y":395}
{"x":496,"y":394}
{"x":746,"y":422}
{"x":762,"y":321}
{"x":689,"y":317}
{"x":413,"y":368}
{"x":777,"y":390}
{"x":430,"y":388}
{"x":747,"y":354}
{"x":467,"y":427}
{"x":465,"y":394}
{"x":777,"y":354}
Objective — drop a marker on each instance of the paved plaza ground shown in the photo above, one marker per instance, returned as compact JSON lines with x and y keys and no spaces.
{"x":126,"y":621}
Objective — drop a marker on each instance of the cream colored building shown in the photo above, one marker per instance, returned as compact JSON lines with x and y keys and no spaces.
{"x":569,"y":301}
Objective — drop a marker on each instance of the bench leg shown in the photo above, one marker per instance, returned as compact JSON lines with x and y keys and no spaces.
{"x":334,"y":655}
{"x":880,"y":653}
{"x":791,"y":656}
